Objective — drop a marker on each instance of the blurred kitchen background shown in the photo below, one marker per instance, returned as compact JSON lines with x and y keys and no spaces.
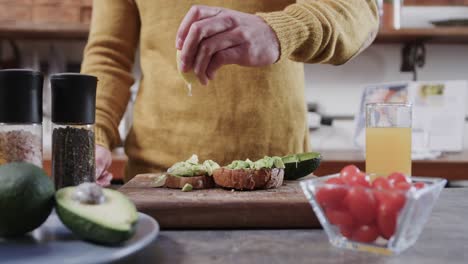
{"x":50,"y":35}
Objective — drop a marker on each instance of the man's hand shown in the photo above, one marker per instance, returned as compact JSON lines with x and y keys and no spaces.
{"x":103,"y":162}
{"x":211,"y":37}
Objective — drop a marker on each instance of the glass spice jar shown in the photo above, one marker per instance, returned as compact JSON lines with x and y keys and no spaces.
{"x":73,"y":118}
{"x":21,"y":116}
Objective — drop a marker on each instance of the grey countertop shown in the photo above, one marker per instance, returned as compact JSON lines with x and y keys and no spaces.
{"x":444,"y":240}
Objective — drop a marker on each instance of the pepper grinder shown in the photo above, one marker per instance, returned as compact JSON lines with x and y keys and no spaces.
{"x":73,"y":118}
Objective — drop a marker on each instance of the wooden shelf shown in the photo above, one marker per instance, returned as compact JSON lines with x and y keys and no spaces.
{"x":44,"y":31}
{"x":451,"y":166}
{"x":435,"y":2}
{"x":442,"y":35}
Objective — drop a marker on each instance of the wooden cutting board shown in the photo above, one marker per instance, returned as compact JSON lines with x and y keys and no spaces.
{"x":285,"y":207}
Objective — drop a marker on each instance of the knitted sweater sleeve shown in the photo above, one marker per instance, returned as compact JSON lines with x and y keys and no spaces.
{"x":324,"y":31}
{"x":109,"y":55}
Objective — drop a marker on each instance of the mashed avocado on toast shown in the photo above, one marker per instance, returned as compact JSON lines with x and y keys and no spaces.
{"x":198,"y":175}
{"x":265,"y":173}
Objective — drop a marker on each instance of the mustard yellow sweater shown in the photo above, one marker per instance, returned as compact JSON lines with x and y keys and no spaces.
{"x":245,"y":112}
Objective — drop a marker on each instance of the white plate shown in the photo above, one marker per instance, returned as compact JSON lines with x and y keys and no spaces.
{"x":54,"y":243}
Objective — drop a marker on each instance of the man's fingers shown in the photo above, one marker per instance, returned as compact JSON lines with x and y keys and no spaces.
{"x":232,"y":55}
{"x":105,"y":179}
{"x":196,"y":12}
{"x":211,"y":46}
{"x":98,"y":172}
{"x":200,"y":30}
{"x":100,"y":166}
{"x":103,"y":160}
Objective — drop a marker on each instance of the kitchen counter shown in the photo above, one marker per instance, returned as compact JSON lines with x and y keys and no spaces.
{"x":444,"y":240}
{"x":451,"y":166}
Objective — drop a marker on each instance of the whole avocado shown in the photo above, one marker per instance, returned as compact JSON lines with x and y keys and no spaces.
{"x":26,"y":198}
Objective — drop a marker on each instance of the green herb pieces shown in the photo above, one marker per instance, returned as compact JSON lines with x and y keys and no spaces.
{"x":187,"y":187}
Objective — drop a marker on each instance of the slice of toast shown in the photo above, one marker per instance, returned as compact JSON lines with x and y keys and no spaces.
{"x":198,"y":182}
{"x":249,"y":179}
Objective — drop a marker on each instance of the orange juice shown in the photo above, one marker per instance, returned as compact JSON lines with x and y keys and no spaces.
{"x":388,"y":149}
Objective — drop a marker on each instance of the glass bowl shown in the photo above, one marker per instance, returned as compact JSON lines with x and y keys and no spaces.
{"x":410,"y":219}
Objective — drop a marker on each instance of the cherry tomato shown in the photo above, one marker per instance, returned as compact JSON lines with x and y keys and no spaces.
{"x":380,"y":195}
{"x":366,"y":233}
{"x":330,"y":196}
{"x":346,"y":231}
{"x":336,"y":181}
{"x":362,"y":180}
{"x":419,"y":185}
{"x":340,"y":217}
{"x":349,"y":171}
{"x":397,"y":177}
{"x":361,"y":204}
{"x":386,"y":224}
{"x":404,"y":186}
{"x":358,"y":179}
{"x":390,"y":202}
{"x":381,"y":183}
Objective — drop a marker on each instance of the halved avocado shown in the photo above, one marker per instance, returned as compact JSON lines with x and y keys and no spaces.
{"x":300,"y":165}
{"x":111,"y":222}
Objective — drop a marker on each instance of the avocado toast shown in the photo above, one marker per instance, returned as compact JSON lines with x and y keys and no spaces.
{"x":264,"y":173}
{"x":191,"y":173}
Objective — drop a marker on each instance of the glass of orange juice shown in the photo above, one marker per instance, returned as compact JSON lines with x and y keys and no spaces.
{"x":388,"y":138}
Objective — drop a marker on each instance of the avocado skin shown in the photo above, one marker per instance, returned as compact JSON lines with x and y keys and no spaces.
{"x":26,"y":198}
{"x":301,"y":168}
{"x":90,"y":231}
